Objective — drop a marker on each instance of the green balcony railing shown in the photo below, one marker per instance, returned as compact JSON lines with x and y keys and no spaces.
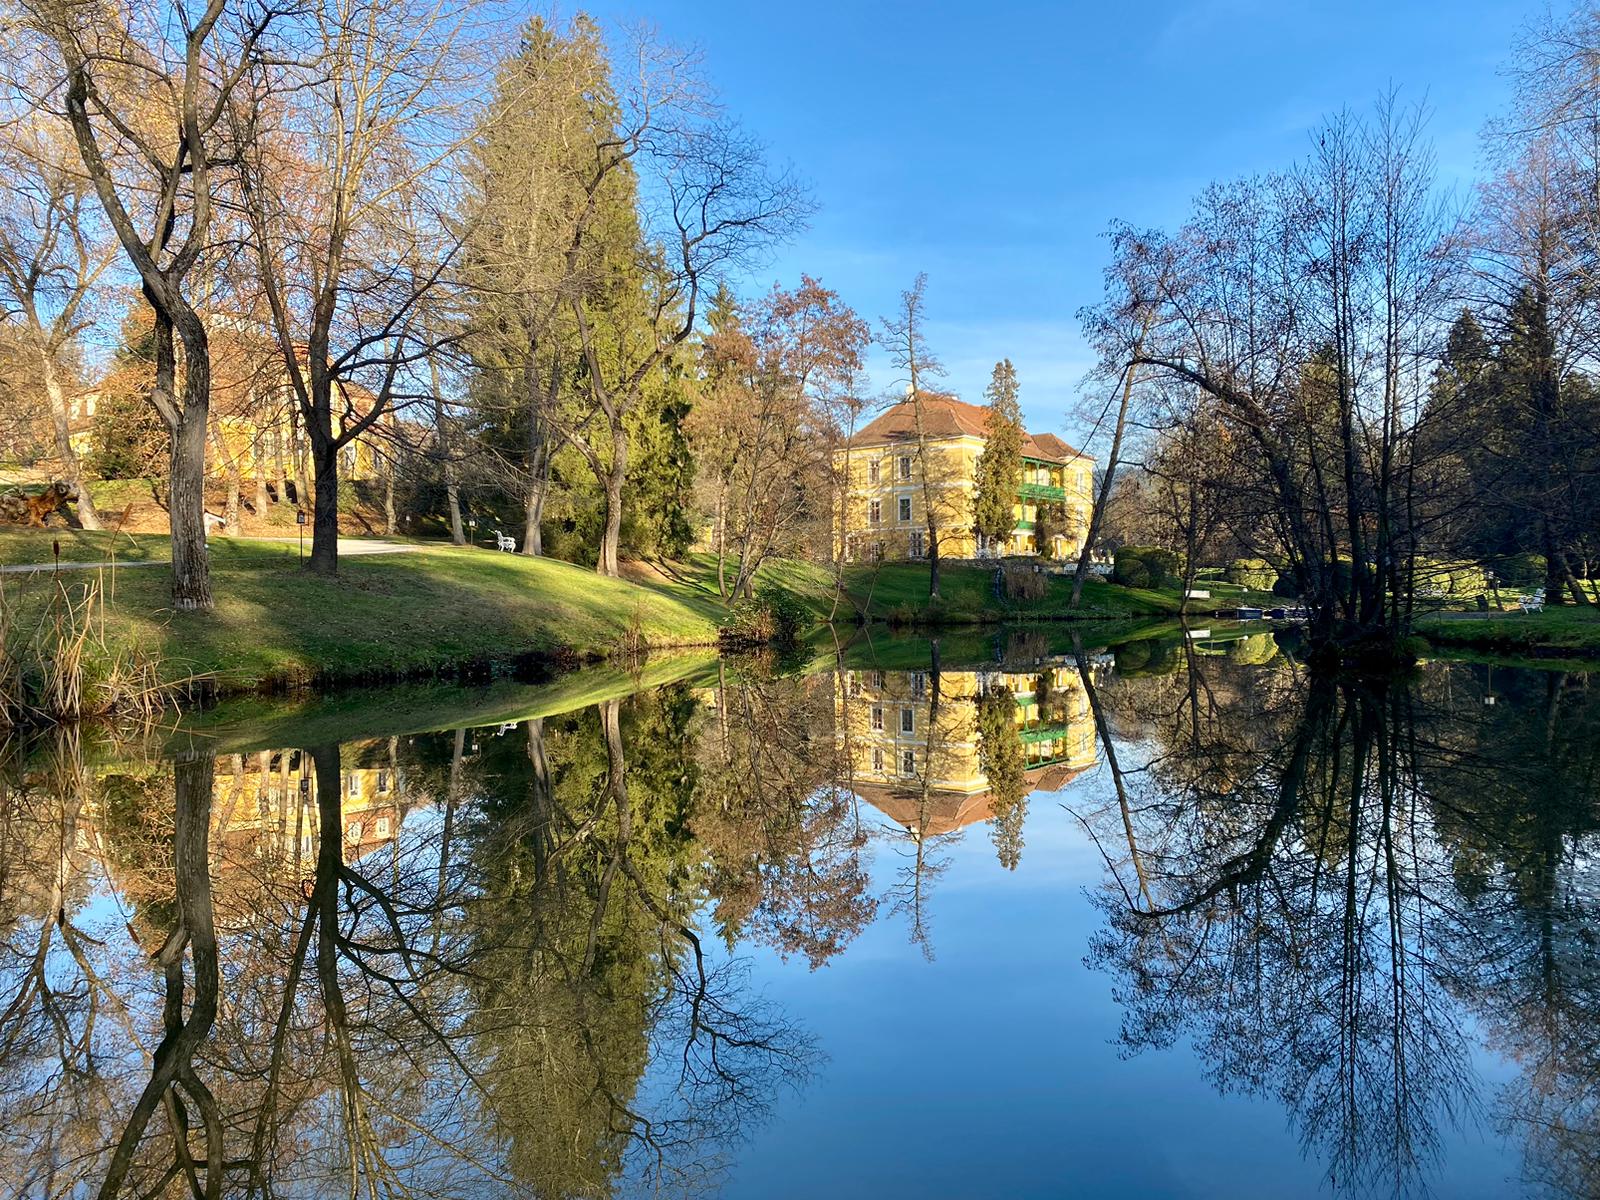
{"x":1042,"y":733}
{"x":1042,"y":491}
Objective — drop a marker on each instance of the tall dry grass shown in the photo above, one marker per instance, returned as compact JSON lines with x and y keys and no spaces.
{"x":57,"y":664}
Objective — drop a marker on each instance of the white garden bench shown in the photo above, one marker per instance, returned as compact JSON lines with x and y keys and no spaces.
{"x":504,"y":541}
{"x":1533,"y":603}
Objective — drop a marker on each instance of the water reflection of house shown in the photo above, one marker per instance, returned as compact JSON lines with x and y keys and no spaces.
{"x":921,"y":766}
{"x":265,"y":806}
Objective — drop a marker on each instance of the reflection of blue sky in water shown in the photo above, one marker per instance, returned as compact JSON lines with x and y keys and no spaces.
{"x":994,"y":1070}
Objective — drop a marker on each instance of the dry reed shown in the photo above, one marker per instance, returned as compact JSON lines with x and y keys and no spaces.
{"x":58,"y":665}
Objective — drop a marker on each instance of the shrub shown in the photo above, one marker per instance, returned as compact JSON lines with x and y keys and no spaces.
{"x":1255,"y":573}
{"x":126,"y":438}
{"x":775,"y":614}
{"x":1522,"y":570}
{"x":1024,"y":583}
{"x":1459,"y":580}
{"x":1145,"y":567}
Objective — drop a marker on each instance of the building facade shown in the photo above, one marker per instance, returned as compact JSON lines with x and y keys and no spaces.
{"x":888,"y":481}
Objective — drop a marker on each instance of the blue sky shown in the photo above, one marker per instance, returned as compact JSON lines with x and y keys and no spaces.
{"x":990,"y":145}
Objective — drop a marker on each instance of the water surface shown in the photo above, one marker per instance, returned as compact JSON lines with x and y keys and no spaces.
{"x":1009,"y":915}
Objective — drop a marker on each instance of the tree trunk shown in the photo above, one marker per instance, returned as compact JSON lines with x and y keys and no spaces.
{"x":538,"y":465}
{"x":186,"y":479}
{"x":259,"y":471}
{"x":452,"y":492}
{"x":613,"y":481}
{"x":1555,"y":565}
{"x":297,"y":459}
{"x":532,"y":516}
{"x":279,"y":473}
{"x":324,"y":558}
{"x":234,"y":479}
{"x":442,"y":444}
{"x":1103,"y":498}
{"x":230,"y":512}
{"x":928,"y":508}
{"x":71,"y":472}
{"x":388,"y":494}
{"x":722,"y":540}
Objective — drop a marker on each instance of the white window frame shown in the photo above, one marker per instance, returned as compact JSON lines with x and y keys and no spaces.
{"x":877,"y":758}
{"x":877,"y":717}
{"x":919,"y":544}
{"x":908,"y":720}
{"x":903,"y":509}
{"x":874,"y":471}
{"x":904,"y":466}
{"x":908,"y":761}
{"x":874,"y":512}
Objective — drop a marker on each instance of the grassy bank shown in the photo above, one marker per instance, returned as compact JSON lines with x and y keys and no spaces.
{"x":1556,"y":632}
{"x":434,"y":609}
{"x":897,"y":593}
{"x":441,"y":610}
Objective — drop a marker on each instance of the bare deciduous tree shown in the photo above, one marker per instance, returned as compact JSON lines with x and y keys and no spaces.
{"x":148,"y":92}
{"x":54,"y":251}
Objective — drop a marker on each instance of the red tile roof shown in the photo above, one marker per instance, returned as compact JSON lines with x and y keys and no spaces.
{"x":943,"y":416}
{"x":947,"y":812}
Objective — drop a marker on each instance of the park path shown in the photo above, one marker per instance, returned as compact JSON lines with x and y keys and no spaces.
{"x":351,"y":547}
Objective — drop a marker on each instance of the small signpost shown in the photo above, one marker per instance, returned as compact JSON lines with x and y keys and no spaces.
{"x":300,"y":525}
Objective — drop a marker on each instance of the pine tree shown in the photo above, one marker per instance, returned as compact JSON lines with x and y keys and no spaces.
{"x":999,"y":471}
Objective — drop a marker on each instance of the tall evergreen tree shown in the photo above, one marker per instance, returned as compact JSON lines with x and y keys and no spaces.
{"x":554,"y":103}
{"x":999,"y":470}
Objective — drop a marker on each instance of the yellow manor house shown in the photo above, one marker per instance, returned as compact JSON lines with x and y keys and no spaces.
{"x":883,"y":507}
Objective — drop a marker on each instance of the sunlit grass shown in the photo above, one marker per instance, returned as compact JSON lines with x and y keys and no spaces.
{"x":383,"y":615}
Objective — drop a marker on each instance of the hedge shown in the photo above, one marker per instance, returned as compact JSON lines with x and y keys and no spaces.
{"x":1145,"y":567}
{"x":1256,"y":573}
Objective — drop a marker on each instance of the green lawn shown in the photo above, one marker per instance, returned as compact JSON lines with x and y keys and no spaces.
{"x":899,"y":592}
{"x":19,"y":546}
{"x":1554,"y":631}
{"x":432,"y":609}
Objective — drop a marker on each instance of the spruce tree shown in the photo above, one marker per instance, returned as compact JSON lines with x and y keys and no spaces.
{"x":999,"y":471}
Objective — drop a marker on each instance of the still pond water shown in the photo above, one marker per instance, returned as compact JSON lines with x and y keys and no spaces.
{"x":996,"y":917}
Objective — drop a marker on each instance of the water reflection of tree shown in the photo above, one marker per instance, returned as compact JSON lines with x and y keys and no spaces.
{"x":922,"y":851}
{"x":598,"y":865}
{"x":1282,"y":919}
{"x":1004,"y":766}
{"x":1515,"y":791}
{"x":776,"y":818}
{"x":1323,"y":882}
{"x":510,"y":998}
